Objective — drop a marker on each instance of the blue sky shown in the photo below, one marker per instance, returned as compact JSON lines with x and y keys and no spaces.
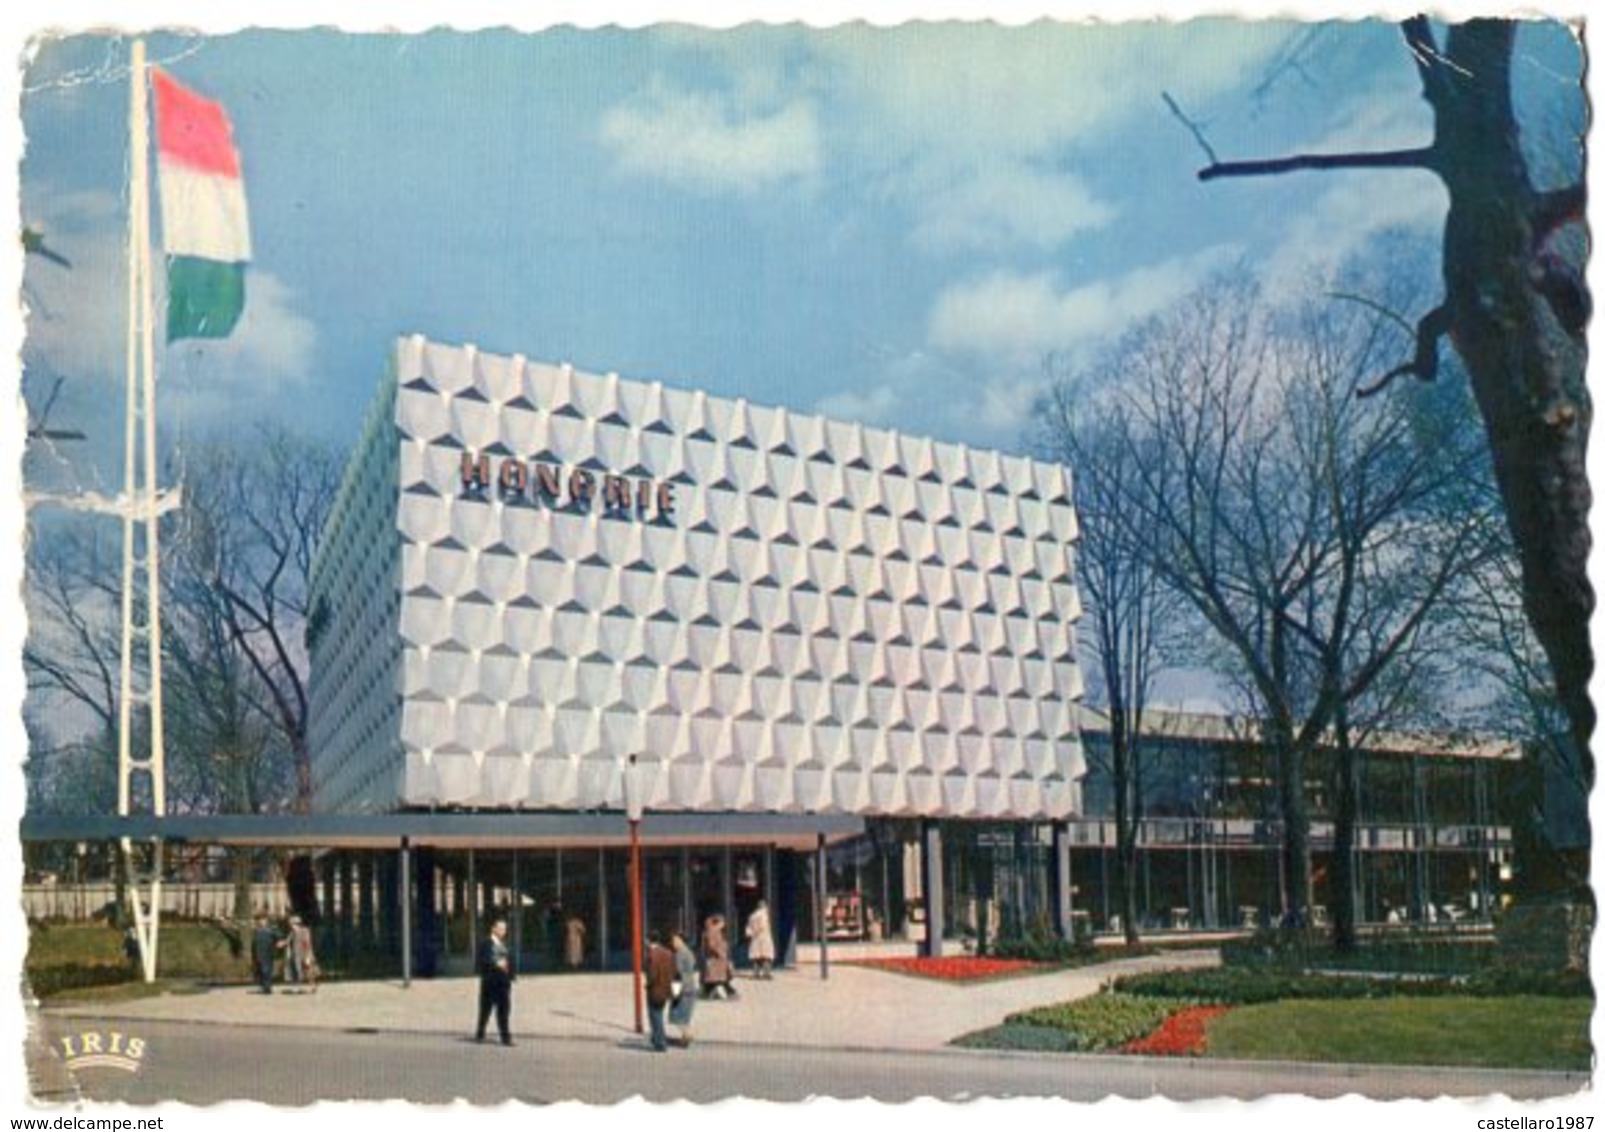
{"x":895,"y":225}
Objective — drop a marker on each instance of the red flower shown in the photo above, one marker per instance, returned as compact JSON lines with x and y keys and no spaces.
{"x":1180,"y":1035}
{"x":956,"y":968}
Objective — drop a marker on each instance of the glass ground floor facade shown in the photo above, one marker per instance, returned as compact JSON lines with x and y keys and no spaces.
{"x":568,"y":908}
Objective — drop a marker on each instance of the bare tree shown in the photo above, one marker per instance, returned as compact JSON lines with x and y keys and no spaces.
{"x":252,"y":520}
{"x":1133,"y":614}
{"x":1305,"y":526}
{"x":1514,"y":307}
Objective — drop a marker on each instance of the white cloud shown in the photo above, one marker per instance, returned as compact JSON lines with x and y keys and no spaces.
{"x":77,"y":329}
{"x":272,"y":343}
{"x":710,"y":143}
{"x":1024,"y":317}
{"x":77,"y":315}
{"x":876,"y":404}
{"x":1005,"y":207}
{"x":1353,"y":208}
{"x":950,"y":92}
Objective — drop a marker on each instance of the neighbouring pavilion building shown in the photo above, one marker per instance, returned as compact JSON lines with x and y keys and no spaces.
{"x":809,"y":634}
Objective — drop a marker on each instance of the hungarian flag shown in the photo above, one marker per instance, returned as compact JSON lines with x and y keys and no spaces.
{"x":204,"y":227}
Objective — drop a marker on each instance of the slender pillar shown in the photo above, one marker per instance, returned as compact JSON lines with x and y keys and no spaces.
{"x":1063,"y":912}
{"x":603,"y":941}
{"x":365,"y":917}
{"x":404,"y":898}
{"x":931,"y":885}
{"x":769,"y":892}
{"x":326,"y":867}
{"x":426,"y":883}
{"x":727,"y":897}
{"x":635,"y":919}
{"x":473,"y":908}
{"x":686,"y":913}
{"x":347,"y":869}
{"x":516,"y":915}
{"x":820,"y":879}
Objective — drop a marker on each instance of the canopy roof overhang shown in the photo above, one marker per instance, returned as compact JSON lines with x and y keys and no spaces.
{"x":456,"y":830}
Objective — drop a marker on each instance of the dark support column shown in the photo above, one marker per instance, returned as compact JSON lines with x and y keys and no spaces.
{"x":727,"y":898}
{"x":688,"y":912}
{"x":404,"y":899}
{"x":931,"y":883}
{"x":473,"y":907}
{"x":365,"y":928}
{"x":426,"y":883}
{"x":788,"y":906}
{"x":347,"y":868}
{"x":515,"y":917}
{"x":387,"y":883}
{"x":1063,"y":912}
{"x":602,"y":940}
{"x":821,"y":876}
{"x":326,"y":913}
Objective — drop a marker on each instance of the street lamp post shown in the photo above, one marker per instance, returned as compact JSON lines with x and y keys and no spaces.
{"x":632,"y":810}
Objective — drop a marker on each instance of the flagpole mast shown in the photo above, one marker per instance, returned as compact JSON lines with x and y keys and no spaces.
{"x":140,"y":508}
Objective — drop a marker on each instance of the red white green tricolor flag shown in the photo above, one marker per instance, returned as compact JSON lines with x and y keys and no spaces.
{"x":204,"y":228}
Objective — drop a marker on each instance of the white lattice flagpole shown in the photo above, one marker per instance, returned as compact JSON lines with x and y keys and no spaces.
{"x":141,"y":508}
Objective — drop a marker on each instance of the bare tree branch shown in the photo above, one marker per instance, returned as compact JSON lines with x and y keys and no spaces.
{"x":1419,"y":158}
{"x":1192,"y":127}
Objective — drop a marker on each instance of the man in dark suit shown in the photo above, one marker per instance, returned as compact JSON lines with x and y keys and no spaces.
{"x":264,"y":949}
{"x":495,"y":982}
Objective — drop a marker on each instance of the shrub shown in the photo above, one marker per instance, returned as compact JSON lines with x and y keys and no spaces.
{"x":1041,"y":949}
{"x":1240,"y":987}
{"x":1435,"y":953}
{"x":46,"y":982}
{"x":1103,"y":1021}
{"x":1229,"y":986}
{"x":1019,"y":1036}
{"x":1498,"y":982}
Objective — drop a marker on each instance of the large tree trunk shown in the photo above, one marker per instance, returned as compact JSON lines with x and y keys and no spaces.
{"x":1344,"y":918}
{"x":1126,"y":796}
{"x":1526,"y":372}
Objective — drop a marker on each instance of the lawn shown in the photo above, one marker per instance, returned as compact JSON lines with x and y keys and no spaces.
{"x":1517,"y":1032}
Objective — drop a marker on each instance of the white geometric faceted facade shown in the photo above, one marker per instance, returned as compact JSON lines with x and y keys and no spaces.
{"x":774,"y":612}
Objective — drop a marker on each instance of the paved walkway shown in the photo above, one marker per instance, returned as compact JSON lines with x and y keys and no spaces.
{"x":855,"y":1008}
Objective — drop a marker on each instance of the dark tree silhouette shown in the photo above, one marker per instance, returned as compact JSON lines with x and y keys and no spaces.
{"x":1514,"y":309}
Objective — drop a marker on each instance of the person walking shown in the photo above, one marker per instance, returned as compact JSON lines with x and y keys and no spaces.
{"x":264,"y":949}
{"x":760,"y":941}
{"x":574,"y":943}
{"x":684,"y":1002}
{"x":301,"y":963}
{"x":660,"y":970}
{"x":718,"y":976}
{"x":495,"y":983}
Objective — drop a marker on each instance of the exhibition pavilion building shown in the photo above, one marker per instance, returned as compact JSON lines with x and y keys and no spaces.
{"x":815,"y":641}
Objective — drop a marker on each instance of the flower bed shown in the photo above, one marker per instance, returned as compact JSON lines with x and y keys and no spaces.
{"x":953,"y":968}
{"x":1180,"y":1035}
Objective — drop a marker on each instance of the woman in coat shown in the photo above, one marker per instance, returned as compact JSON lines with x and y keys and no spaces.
{"x":574,"y":943}
{"x":718,"y":975}
{"x":760,"y":941}
{"x":684,"y":1004}
{"x":300,"y":958}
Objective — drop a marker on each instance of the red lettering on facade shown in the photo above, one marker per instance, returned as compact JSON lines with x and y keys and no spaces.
{"x":550,"y":480}
{"x":476,"y":473}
